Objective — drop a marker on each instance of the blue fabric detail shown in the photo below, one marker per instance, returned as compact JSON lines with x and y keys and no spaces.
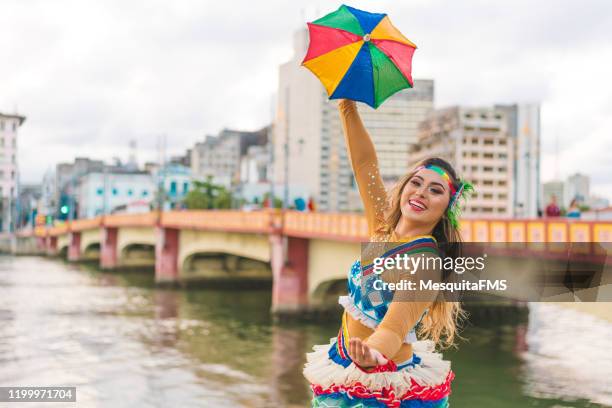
{"x":415,"y":361}
{"x":340,"y":399}
{"x":337,"y":358}
{"x":358,"y":82}
{"x":368,"y":21}
{"x":380,"y":311}
{"x":441,"y":403}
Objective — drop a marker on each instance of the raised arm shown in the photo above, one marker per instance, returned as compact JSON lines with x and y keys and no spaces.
{"x":365,"y":164}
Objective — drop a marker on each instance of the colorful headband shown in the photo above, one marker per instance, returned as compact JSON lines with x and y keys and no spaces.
{"x":463,"y":192}
{"x":442,"y":173}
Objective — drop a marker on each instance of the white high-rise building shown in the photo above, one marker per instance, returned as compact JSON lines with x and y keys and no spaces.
{"x":524,"y":127}
{"x":9,"y":169}
{"x":577,"y":187}
{"x":310,"y":158}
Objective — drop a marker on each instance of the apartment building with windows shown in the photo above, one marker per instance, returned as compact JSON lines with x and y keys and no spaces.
{"x":219,"y":156}
{"x":9,"y":169}
{"x":477,"y":142}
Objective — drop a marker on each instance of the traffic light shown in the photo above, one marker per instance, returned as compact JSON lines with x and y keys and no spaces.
{"x":64,"y":207}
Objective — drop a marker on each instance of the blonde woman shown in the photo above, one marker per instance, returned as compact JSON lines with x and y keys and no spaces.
{"x":376,"y":360}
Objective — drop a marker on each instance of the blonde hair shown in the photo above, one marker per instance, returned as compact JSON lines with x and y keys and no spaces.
{"x":441,"y":322}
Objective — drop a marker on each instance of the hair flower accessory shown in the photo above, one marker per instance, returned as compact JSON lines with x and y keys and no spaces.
{"x":464,"y":192}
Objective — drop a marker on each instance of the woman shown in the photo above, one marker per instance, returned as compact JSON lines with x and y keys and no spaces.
{"x":376,"y":361}
{"x":574,"y":210}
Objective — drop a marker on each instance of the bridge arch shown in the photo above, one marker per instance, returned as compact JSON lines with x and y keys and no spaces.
{"x":90,"y":244}
{"x":136,"y":246}
{"x":62,"y":245}
{"x":224,"y":256}
{"x":138,"y":254}
{"x":328,"y":266}
{"x":325,"y":295}
{"x":62,"y":251}
{"x":91,"y":251}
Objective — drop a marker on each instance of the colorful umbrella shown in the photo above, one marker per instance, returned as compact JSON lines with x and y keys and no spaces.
{"x":359,"y":55}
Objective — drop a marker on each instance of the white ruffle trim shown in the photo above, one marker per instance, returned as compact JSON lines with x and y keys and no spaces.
{"x":431,"y":371}
{"x":347,"y":303}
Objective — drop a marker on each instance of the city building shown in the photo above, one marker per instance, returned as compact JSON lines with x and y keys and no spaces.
{"x":47,"y":204}
{"x":111,"y":191}
{"x":255,"y":171}
{"x":524,"y":128}
{"x":26,"y":206}
{"x":478,"y":143}
{"x":67,"y":177}
{"x":9,"y":169}
{"x":577,"y":187}
{"x":601,"y":214}
{"x":183,"y":160}
{"x":595,"y":202}
{"x":219,"y":156}
{"x":175,"y":179}
{"x":310,"y":157}
{"x":553,"y":188}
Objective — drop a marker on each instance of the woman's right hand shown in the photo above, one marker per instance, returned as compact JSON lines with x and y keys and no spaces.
{"x":364,"y":355}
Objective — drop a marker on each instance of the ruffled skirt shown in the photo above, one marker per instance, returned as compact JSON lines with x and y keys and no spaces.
{"x":336,"y":381}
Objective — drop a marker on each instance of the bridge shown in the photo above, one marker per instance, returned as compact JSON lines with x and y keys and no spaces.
{"x":303,"y":256}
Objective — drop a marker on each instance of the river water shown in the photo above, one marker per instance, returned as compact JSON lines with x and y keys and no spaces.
{"x":124,"y":343}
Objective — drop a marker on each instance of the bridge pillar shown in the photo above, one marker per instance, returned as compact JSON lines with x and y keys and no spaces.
{"x":74,"y":247}
{"x":51,"y":246}
{"x":289,"y":261}
{"x":166,"y":255}
{"x":108,"y":250}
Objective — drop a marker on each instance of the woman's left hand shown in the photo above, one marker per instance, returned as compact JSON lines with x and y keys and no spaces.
{"x":364,"y":355}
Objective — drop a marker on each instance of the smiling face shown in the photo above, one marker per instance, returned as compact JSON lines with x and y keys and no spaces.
{"x":425,"y":197}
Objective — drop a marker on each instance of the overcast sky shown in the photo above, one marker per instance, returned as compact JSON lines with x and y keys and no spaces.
{"x":90,"y":76}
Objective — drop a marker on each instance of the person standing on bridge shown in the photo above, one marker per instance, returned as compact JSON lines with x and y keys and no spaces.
{"x":376,"y":359}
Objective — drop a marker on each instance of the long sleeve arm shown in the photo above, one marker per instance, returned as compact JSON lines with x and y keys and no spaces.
{"x":365,"y":164}
{"x":404,"y":311}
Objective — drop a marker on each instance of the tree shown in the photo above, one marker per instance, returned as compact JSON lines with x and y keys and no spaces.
{"x":276,"y":203}
{"x":205,"y":195}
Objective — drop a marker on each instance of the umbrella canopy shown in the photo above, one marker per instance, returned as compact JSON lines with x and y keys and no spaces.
{"x":359,"y":55}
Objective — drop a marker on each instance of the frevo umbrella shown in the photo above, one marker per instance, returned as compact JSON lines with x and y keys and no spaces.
{"x":359,"y":55}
